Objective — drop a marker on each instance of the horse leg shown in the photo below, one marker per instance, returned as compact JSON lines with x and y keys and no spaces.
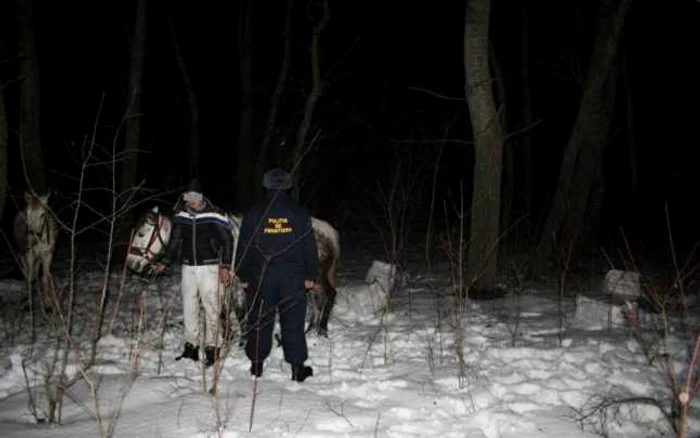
{"x":47,"y":282}
{"x":225,"y":305}
{"x":29,"y":273}
{"x":312,"y":311}
{"x":324,"y":292}
{"x":327,"y":302}
{"x":236,"y":301}
{"x":323,"y":297}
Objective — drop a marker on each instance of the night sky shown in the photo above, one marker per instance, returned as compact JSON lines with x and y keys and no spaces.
{"x":381,"y":58}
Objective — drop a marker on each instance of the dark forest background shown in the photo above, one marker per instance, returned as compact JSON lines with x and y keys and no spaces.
{"x":390,"y":110}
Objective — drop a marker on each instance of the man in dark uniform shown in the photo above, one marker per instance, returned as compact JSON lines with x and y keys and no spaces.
{"x":277,"y":263}
{"x":202,"y":238}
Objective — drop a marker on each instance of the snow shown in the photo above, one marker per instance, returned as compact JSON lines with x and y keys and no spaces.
{"x":529,"y":364}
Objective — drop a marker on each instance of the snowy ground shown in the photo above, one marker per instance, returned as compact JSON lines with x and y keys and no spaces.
{"x":525,"y":371}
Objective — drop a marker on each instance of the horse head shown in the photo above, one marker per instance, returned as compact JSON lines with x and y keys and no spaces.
{"x":149,"y":240}
{"x":34,"y":223}
{"x":37,"y":214}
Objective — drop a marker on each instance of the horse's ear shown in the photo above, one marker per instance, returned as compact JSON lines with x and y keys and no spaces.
{"x":46,"y":197}
{"x":27,"y":196}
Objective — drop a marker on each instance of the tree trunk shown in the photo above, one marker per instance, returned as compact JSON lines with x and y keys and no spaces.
{"x":509,"y":168}
{"x":133,"y":117}
{"x":3,"y":150}
{"x":482,"y":258}
{"x":246,"y":162}
{"x":631,"y":181}
{"x":194,"y":108}
{"x":525,"y":140}
{"x":301,"y":148}
{"x":588,"y":137}
{"x":262,"y":158}
{"x":30,"y":144}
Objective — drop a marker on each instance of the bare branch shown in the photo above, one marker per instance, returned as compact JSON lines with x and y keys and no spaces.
{"x":436,"y":94}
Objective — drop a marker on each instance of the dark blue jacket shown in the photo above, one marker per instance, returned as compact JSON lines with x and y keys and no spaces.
{"x":200,"y":238}
{"x":276,"y":231}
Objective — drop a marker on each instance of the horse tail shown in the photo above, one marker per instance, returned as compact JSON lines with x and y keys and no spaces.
{"x":335,"y":258}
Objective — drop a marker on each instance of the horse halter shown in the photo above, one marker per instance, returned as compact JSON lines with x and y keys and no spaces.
{"x":156,"y":220}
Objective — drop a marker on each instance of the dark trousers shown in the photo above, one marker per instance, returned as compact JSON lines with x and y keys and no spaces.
{"x":276,"y":294}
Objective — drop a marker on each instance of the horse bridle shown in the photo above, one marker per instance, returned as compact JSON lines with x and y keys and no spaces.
{"x":155,"y":234}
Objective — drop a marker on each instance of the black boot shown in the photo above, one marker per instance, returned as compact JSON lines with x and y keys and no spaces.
{"x":256,"y":369}
{"x":300,"y":372}
{"x":212,"y":354}
{"x":191,"y":352}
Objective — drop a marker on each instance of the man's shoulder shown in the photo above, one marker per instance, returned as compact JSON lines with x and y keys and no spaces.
{"x":210,"y":207}
{"x":212,"y":214}
{"x":290,"y":207}
{"x":301,"y":212}
{"x":256,"y":209}
{"x":182,"y":216}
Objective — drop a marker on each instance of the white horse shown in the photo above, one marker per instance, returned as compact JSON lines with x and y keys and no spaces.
{"x":149,"y":240}
{"x":35,"y":234}
{"x":145,"y":250}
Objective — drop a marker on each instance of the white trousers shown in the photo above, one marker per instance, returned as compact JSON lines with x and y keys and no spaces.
{"x":201,"y":283}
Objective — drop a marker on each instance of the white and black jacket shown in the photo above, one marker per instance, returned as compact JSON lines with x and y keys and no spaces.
{"x":200,"y":238}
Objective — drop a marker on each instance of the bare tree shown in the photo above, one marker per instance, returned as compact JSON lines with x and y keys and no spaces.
{"x":579,"y":185}
{"x":261,"y":160}
{"x":29,"y":133}
{"x":631,"y":152}
{"x":132,"y":130}
{"x":194,"y":107}
{"x":3,"y":150}
{"x":482,"y":257}
{"x":244,"y":184}
{"x":527,"y":119}
{"x":317,"y":87}
{"x":517,"y":152}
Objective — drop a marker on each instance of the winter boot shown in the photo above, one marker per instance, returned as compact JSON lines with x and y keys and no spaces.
{"x":300,"y":372}
{"x":212,"y":354}
{"x":256,"y":369}
{"x":191,"y":352}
